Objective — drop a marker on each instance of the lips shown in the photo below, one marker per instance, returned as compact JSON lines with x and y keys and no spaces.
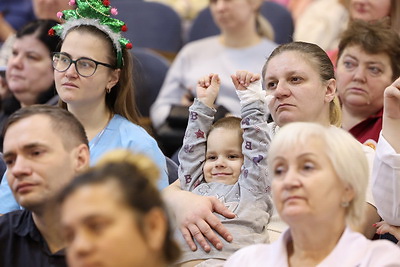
{"x":221,"y":174}
{"x":69,"y":84}
{"x":89,"y":264}
{"x":23,"y":187}
{"x":357,"y":90}
{"x":360,"y":9}
{"x":15,"y":77}
{"x":291,"y":198}
{"x":284,"y":105}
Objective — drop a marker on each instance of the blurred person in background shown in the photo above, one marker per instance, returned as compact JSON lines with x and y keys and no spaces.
{"x":113,"y":215}
{"x":29,"y":73}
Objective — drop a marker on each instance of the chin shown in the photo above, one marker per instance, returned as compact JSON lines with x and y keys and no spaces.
{"x":293,"y":213}
{"x":285,"y":120}
{"x":357,"y":103}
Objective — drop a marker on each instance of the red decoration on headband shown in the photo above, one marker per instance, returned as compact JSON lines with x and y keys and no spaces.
{"x":106,"y":2}
{"x":129,"y":46}
{"x":124,"y":28}
{"x":51,"y":32}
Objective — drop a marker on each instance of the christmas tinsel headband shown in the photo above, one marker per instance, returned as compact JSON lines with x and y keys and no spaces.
{"x":94,"y":13}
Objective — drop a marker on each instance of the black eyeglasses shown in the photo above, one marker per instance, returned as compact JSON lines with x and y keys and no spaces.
{"x":84,"y":66}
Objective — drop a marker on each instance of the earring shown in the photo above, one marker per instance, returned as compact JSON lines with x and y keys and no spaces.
{"x":108,"y":90}
{"x":344,"y":204}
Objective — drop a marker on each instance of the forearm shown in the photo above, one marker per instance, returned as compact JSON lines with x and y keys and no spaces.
{"x":391,"y":130}
{"x":371,"y":216}
{"x":192,"y":154}
{"x":170,"y":194}
{"x":386,"y":182}
{"x":256,"y":142}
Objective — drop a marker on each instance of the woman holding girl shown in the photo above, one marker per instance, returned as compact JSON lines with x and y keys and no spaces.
{"x":300,"y":77}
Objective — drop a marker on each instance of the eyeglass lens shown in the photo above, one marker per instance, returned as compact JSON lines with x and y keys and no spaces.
{"x":84,"y":66}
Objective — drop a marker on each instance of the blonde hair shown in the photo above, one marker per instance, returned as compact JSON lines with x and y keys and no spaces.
{"x":264,"y":27}
{"x":143,"y":164}
{"x":335,"y":112}
{"x":344,"y":152}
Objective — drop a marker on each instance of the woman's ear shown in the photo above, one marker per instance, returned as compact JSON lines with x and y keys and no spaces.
{"x":330,"y":90}
{"x":348,"y":194}
{"x":155,"y":228}
{"x":114,"y":78}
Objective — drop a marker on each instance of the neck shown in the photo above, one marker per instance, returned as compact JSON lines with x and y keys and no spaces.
{"x":156,"y":261}
{"x":351,"y":117}
{"x":240,"y":38}
{"x":47,"y":221}
{"x":93,"y":117}
{"x":323,"y":117}
{"x":312,"y":243}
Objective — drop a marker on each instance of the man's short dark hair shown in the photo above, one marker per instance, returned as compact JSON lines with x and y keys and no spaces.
{"x":62,"y":121}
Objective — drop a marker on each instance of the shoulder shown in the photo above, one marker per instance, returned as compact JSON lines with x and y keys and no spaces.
{"x":358,"y":249}
{"x":266,"y":43}
{"x":13,"y":222}
{"x":121,"y":123}
{"x":193,"y":48}
{"x":15,"y":217}
{"x":130,"y":133}
{"x":204,"y":42}
{"x":257,"y":255}
{"x":253,"y":255}
{"x":369,"y":153}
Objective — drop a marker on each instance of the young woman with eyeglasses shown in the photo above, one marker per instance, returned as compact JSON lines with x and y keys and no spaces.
{"x":93,"y":78}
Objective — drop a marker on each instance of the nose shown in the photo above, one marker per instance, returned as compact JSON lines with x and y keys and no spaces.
{"x":16,"y":61}
{"x":359,"y":74}
{"x":291,"y":179}
{"x":71,"y":71}
{"x":20,"y":168}
{"x":81,"y":245}
{"x":220,"y":162}
{"x":281,"y":90}
{"x":220,"y":4}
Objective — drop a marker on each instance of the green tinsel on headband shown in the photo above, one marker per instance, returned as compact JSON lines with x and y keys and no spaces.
{"x":98,"y":14}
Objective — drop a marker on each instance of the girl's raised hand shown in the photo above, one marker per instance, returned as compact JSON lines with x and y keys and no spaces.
{"x":243,"y":78}
{"x":208,"y":89}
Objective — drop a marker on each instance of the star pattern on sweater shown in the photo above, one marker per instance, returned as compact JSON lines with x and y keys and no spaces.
{"x":199,"y":134}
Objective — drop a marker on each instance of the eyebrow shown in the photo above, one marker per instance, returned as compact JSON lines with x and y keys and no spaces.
{"x":65,"y":53}
{"x":368,"y":62}
{"x":95,"y":216}
{"x":306,"y":154}
{"x":289,"y":73}
{"x":25,"y":147}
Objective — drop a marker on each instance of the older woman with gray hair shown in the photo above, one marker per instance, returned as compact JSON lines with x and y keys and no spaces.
{"x":318,"y":186}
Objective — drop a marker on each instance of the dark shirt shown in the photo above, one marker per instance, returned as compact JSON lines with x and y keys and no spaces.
{"x":21,"y":243}
{"x":3,"y":166}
